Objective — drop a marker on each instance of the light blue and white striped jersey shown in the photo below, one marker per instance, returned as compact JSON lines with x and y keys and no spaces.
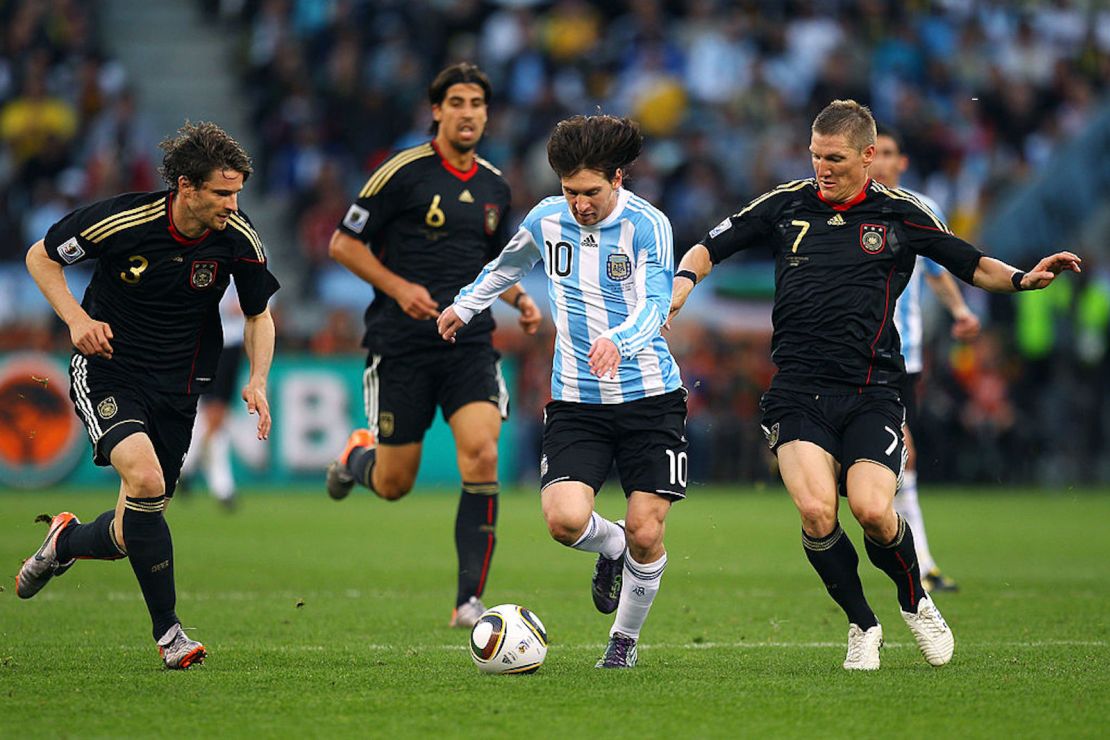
{"x":907,"y":313}
{"x":612,"y":279}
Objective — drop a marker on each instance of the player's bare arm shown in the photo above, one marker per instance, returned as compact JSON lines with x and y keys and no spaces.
{"x":258,"y":343}
{"x":89,"y":336}
{"x":605,"y":358}
{"x":530,"y":315}
{"x":697,"y":261}
{"x":999,"y":277}
{"x":414,"y":299}
{"x":965,"y":324}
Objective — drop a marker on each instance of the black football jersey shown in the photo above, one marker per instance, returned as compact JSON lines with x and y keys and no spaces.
{"x":432,"y":225}
{"x":839,"y":269}
{"x":159,"y":291}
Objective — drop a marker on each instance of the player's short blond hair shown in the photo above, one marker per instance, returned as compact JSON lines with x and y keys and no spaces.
{"x":847,"y":118}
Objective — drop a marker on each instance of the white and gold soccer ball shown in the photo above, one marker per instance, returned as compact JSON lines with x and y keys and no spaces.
{"x":508,"y":639}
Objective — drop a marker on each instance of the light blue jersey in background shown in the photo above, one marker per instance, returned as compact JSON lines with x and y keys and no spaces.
{"x":907,"y":313}
{"x":612,"y":279}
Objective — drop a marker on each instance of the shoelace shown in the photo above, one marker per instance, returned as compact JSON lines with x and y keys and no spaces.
{"x":618,"y":650}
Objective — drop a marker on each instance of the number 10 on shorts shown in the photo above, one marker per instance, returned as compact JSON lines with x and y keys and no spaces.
{"x":679,"y":466}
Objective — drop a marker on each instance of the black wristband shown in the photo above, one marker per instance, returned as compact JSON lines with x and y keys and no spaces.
{"x":516,"y":301}
{"x":1016,"y":280}
{"x":688,"y":274}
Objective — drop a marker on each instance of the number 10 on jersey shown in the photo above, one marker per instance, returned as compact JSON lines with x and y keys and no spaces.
{"x":559,"y":258}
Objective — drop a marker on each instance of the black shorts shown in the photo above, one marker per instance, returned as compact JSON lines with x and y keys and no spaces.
{"x":402,"y":392}
{"x":113,"y":407}
{"x":907,"y":389}
{"x":225,"y":382}
{"x":851,"y":428}
{"x":646,"y":438}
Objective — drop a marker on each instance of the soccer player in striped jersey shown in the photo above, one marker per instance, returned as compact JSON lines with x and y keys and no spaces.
{"x":887,"y":168}
{"x":616,"y":390}
{"x":147,"y":337}
{"x":421,"y":228}
{"x":844,"y":247}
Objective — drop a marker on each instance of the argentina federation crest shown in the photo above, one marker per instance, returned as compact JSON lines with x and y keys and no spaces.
{"x":872,"y":237}
{"x":203,"y":274}
{"x":771,"y":435}
{"x":618,"y":267}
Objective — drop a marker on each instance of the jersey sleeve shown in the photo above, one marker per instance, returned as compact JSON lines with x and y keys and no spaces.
{"x":86,"y":232}
{"x":378,"y":202}
{"x":254,"y":282}
{"x":742,"y":230}
{"x":514,"y":262}
{"x":654,"y":278}
{"x":929,"y":237}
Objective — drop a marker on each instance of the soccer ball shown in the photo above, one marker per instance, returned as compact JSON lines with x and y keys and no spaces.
{"x":508,"y":639}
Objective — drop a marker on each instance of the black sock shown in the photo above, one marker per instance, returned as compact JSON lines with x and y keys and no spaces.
{"x":150,"y":549}
{"x":360,"y":464}
{"x":835,"y":560}
{"x":94,"y":540}
{"x":898,"y":559}
{"x":475,"y":526}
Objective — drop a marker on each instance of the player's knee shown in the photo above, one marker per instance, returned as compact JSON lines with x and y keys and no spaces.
{"x":145,"y":482}
{"x":818,"y":516}
{"x":643,"y":536}
{"x":481,"y":462}
{"x":565,"y":527}
{"x":392,"y":489}
{"x":873,"y":517}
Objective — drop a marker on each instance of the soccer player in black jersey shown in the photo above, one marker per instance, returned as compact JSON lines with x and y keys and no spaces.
{"x":844,"y":247}
{"x":147,"y":336}
{"x":426,"y":222}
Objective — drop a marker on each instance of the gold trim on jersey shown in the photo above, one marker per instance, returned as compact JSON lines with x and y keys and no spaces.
{"x":784,"y":188}
{"x":124,"y":220}
{"x":378,"y":180}
{"x":240,"y":224}
{"x":899,"y":194}
{"x":488,"y":165}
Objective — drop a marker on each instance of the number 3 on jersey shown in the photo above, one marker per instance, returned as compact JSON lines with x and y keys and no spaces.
{"x":559,"y":257}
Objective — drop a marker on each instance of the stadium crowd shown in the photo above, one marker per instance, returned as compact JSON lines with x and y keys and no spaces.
{"x":983,"y":93}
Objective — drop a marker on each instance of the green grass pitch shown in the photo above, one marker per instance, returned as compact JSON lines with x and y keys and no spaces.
{"x":329,"y":619}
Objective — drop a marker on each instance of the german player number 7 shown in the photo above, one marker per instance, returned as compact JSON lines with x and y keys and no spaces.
{"x":804,"y":226}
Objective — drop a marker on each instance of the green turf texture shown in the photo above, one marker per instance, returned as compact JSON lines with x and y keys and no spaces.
{"x":329,"y":619}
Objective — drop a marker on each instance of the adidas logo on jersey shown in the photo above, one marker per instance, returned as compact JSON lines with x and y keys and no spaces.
{"x":589,"y":241}
{"x":836,"y":220}
{"x":466,"y":197}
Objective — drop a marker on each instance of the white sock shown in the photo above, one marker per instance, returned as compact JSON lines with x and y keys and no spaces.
{"x":641,"y":583}
{"x":601,"y":536}
{"x":905,"y":503}
{"x":217,"y":467}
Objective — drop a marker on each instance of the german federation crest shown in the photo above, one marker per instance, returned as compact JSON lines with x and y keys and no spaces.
{"x":203,"y":274}
{"x":618,"y":267}
{"x":107,"y":408}
{"x":872,"y":237}
{"x":492,"y":218}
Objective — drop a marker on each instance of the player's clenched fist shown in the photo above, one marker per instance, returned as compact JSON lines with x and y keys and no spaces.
{"x":91,"y":337}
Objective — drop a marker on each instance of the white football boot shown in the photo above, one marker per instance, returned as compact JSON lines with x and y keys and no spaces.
{"x":863,"y":648}
{"x":931,"y":632}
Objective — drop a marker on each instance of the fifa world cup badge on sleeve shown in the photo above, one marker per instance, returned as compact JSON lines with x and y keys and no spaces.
{"x":356,"y":218}
{"x":872,"y":237}
{"x":71,"y":251}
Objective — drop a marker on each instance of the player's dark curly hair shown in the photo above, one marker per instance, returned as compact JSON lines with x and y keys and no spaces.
{"x":849,"y":118}
{"x":602,"y":143}
{"x":463,"y":73}
{"x":199,"y":148}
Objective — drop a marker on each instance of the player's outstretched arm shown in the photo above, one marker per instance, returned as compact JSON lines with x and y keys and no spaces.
{"x":695,"y":261}
{"x":999,"y":277}
{"x":449,"y":324}
{"x":414,"y":299}
{"x":258,"y":343}
{"x":89,"y":336}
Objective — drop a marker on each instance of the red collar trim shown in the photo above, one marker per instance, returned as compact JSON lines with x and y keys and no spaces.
{"x":847,"y":204}
{"x":464,"y":176}
{"x":177,"y":235}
